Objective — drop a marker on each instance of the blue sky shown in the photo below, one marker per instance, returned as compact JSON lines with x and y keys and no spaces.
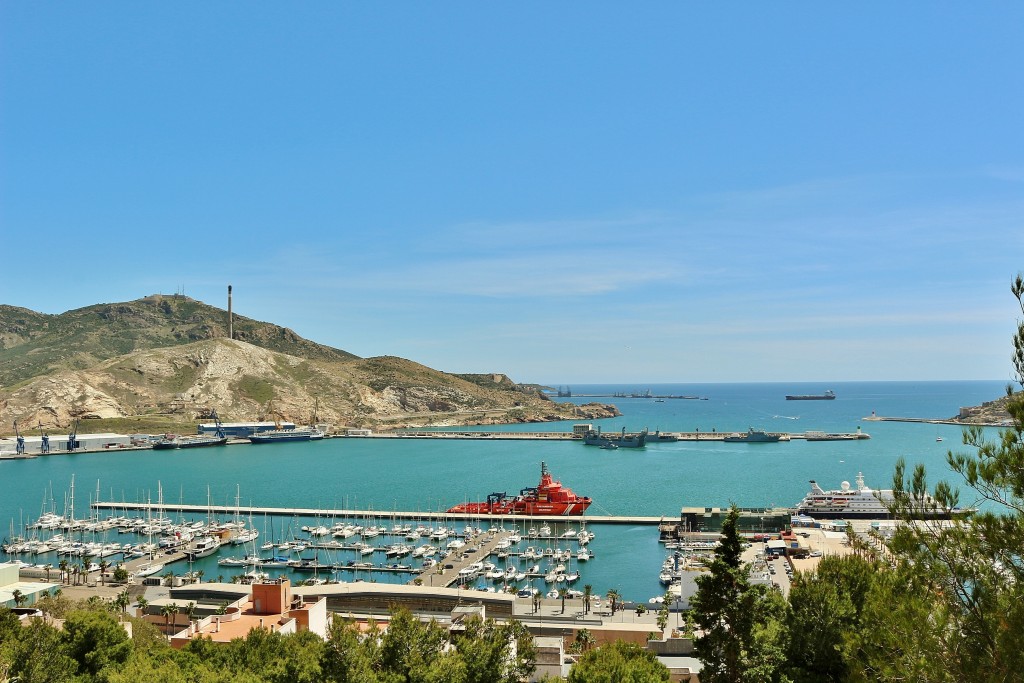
{"x":600,"y":192}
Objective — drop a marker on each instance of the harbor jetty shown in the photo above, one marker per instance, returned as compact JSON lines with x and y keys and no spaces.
{"x":355,"y":514}
{"x":32,"y":448}
{"x":663,"y":437}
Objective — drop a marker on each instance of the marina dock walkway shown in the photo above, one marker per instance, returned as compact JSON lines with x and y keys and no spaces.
{"x":477,"y":550}
{"x":357,"y":514}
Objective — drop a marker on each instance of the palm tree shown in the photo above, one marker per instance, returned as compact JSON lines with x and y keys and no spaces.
{"x":141,"y":602}
{"x":190,"y":610}
{"x":562,"y":593}
{"x":169,"y":611}
{"x":588,"y":590}
{"x":174,"y":609}
{"x":104,"y":566}
{"x":584,"y":639}
{"x":48,"y":567}
{"x":19,"y":597}
{"x":123,"y":600}
{"x":63,"y":566}
{"x":86,"y":563}
{"x":165,"y":612}
{"x":613,"y":598}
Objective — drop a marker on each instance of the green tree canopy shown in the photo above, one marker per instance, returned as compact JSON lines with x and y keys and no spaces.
{"x":735,"y":617}
{"x":95,"y":640}
{"x":618,"y":662}
{"x":964,"y":578}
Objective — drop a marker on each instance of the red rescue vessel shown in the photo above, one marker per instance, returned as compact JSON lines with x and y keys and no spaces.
{"x":549,"y":497}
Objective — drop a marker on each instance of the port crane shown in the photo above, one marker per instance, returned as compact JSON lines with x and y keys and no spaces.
{"x":44,"y":444}
{"x":20,"y":446}
{"x":73,"y":437}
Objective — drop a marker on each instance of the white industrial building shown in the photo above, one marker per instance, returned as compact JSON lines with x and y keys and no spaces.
{"x":33,"y":445}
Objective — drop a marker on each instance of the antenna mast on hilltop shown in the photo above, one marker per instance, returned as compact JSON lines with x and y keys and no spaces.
{"x":231,"y":319}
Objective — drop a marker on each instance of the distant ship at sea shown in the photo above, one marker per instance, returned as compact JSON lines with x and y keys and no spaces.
{"x":827,"y":396}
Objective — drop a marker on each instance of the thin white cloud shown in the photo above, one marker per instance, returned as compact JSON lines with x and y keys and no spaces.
{"x":1013,"y":174}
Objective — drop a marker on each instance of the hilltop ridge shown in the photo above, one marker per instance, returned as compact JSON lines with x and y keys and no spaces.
{"x":170,"y":356}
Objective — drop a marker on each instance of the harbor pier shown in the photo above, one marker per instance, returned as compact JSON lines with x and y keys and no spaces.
{"x":667,"y":437}
{"x":398,"y":514}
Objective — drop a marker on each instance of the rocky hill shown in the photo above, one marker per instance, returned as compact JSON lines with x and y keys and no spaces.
{"x":34,"y":344}
{"x":170,"y":356}
{"x":988,"y":413}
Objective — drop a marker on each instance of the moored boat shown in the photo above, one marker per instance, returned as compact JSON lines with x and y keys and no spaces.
{"x":861,"y":502}
{"x":752,"y":436}
{"x":170,"y":441}
{"x":549,"y":497}
{"x":204,"y":547}
{"x":621,"y":440}
{"x":201,"y":441}
{"x":278,"y":435}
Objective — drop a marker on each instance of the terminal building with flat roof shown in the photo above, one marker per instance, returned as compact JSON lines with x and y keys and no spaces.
{"x":752,"y":520}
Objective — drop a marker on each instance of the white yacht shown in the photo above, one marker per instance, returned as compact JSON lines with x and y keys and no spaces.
{"x":204,"y":547}
{"x":861,"y":502}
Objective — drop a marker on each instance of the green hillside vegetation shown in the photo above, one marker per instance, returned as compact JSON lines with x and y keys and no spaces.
{"x":93,"y":646}
{"x":167,"y":362}
{"x":34,"y":344}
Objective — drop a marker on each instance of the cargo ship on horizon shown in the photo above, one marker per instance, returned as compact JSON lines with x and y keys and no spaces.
{"x":827,"y":396}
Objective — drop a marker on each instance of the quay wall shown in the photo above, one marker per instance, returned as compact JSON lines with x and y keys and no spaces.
{"x":569,"y":436}
{"x":400,"y":514}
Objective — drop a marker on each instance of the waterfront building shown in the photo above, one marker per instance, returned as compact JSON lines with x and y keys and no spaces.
{"x":58,"y":443}
{"x":31,"y":590}
{"x":752,"y":520}
{"x":267,"y":605}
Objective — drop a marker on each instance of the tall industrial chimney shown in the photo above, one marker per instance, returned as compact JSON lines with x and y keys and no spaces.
{"x":231,"y":319}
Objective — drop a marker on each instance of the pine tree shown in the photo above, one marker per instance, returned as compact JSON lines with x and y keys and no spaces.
{"x":741,"y":624}
{"x":964,"y":578}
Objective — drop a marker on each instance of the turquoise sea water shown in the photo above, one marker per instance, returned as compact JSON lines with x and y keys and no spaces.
{"x":387,"y":474}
